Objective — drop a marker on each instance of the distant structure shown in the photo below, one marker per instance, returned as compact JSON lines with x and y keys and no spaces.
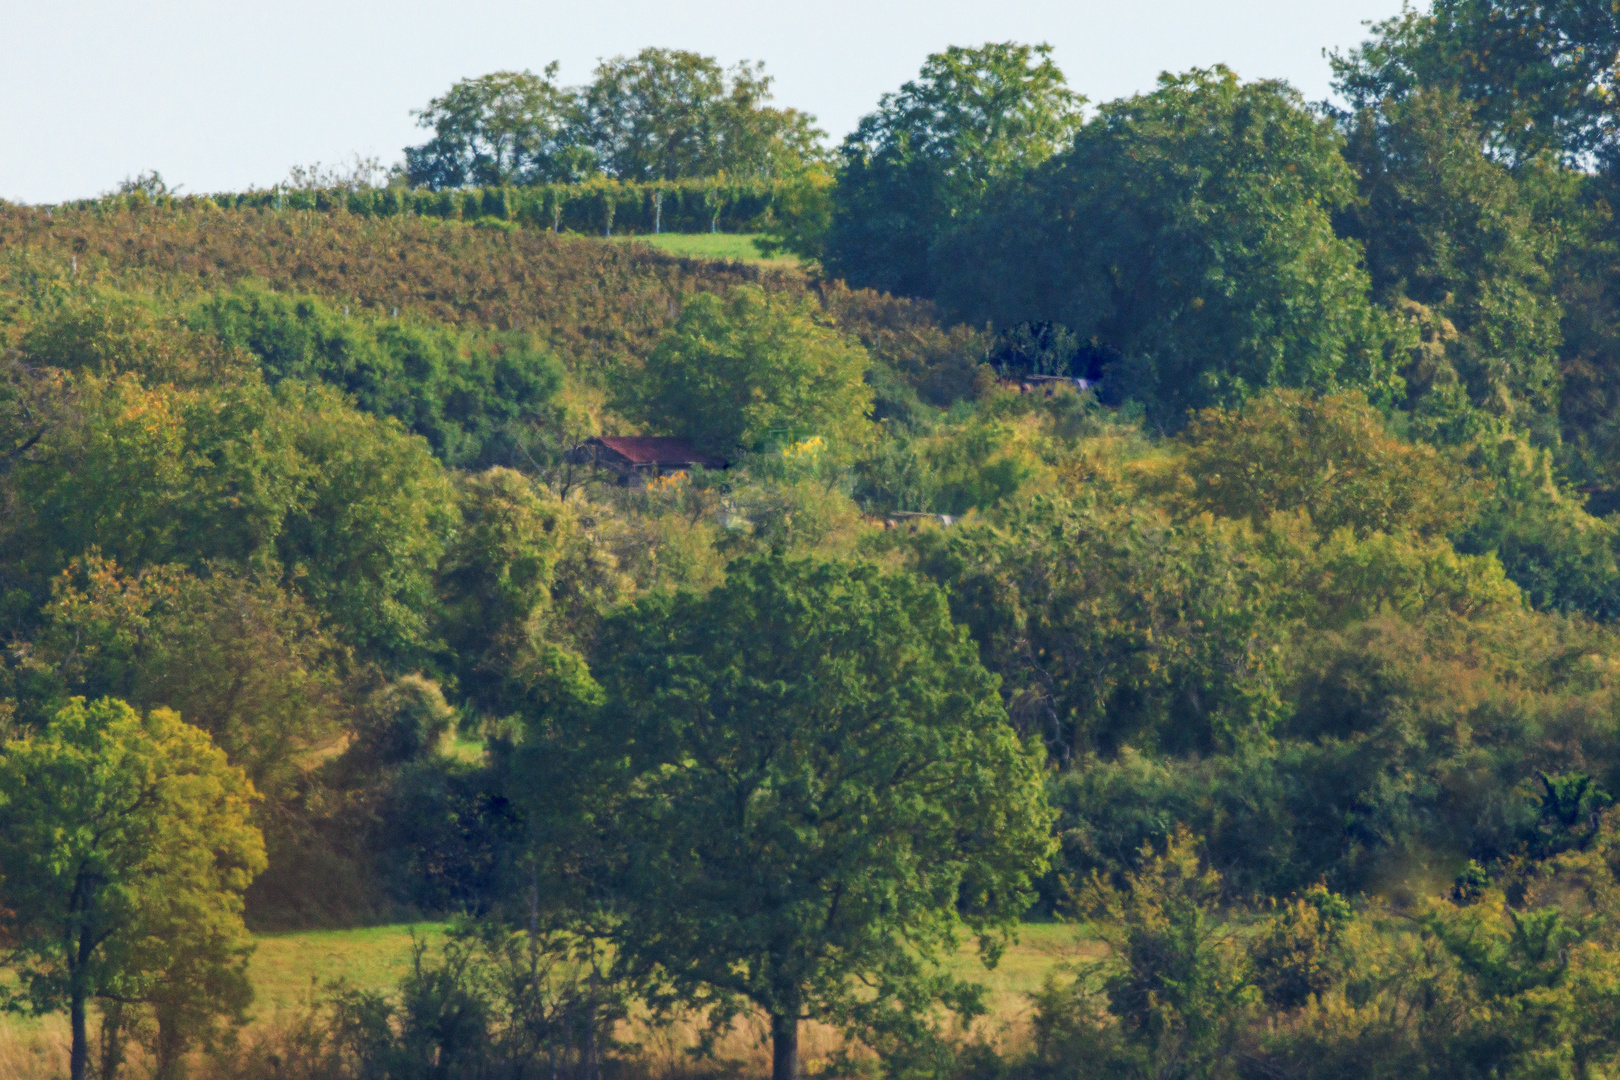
{"x":639,"y":458}
{"x":1028,"y":384}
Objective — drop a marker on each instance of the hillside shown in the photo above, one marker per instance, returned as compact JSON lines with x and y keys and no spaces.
{"x":1181,"y":569}
{"x":595,"y":303}
{"x":599,"y":305}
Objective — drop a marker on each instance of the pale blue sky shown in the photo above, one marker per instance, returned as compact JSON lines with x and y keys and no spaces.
{"x":221,"y":95}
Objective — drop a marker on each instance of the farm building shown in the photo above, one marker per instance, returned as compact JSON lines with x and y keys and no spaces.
{"x":639,"y":458}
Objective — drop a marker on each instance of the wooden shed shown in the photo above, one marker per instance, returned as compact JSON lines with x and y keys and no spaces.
{"x":639,"y":458}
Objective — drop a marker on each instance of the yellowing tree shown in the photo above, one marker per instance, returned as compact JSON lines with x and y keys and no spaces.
{"x":125,"y":845}
{"x":1332,"y":457}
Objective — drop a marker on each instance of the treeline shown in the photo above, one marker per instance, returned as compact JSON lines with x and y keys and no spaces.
{"x":599,"y":207}
{"x":663,"y":114}
{"x":1444,"y":243}
{"x":666,"y":140}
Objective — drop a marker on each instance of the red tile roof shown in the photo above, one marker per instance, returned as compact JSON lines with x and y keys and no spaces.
{"x":659,"y":450}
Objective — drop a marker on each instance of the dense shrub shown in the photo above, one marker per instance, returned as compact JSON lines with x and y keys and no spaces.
{"x":462,"y":392}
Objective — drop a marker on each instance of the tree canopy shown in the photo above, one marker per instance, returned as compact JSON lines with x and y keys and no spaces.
{"x":1332,"y":458}
{"x":739,"y":370}
{"x":665,"y":114}
{"x":126,"y":846}
{"x":348,"y":509}
{"x":508,"y":127}
{"x":465,"y":393}
{"x":971,"y":118}
{"x":662,"y":114}
{"x":1189,"y":235}
{"x":1541,"y":76}
{"x":821,"y":794}
{"x":1447,"y":228}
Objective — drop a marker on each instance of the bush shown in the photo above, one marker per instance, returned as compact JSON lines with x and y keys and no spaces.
{"x":460,"y":391}
{"x":492,"y":1003}
{"x":750,"y":369}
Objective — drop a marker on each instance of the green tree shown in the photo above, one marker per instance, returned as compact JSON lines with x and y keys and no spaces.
{"x":1189,"y":236}
{"x":509,"y":127}
{"x":933,"y":150}
{"x":109,"y":333}
{"x":126,"y":844}
{"x":822,"y":794}
{"x":1176,"y":979}
{"x":496,"y":578}
{"x":668,"y":114}
{"x":1541,"y":76}
{"x":242,"y":659}
{"x":1299,"y":953}
{"x":462,"y":392}
{"x":1564,"y":558}
{"x":1110,"y":627}
{"x":363,"y":543}
{"x":1448,"y":228}
{"x":1588,"y":275}
{"x":35,"y":400}
{"x":343,"y":507}
{"x":739,"y":370}
{"x":801,"y":212}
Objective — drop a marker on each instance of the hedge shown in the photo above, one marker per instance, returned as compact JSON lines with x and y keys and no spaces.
{"x":600,"y":207}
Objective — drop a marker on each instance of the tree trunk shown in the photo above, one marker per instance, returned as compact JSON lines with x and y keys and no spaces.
{"x":112,"y":1040}
{"x":784,"y":1048}
{"x":78,"y":1000}
{"x":171,"y":1043}
{"x":591,"y":1070}
{"x":79,"y":1055}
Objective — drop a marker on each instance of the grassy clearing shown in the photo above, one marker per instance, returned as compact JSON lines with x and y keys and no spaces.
{"x":1042,"y":948}
{"x":287,"y":967}
{"x":288,"y":970}
{"x":734,"y":247}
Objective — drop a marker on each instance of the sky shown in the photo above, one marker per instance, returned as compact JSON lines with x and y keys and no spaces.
{"x":223,"y":95}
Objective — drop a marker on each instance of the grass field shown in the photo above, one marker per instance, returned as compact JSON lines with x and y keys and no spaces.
{"x":736,"y":247}
{"x":286,"y":965}
{"x":288,"y":969}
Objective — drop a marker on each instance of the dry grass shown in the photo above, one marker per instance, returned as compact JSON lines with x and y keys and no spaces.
{"x":745,"y":1051}
{"x":289,"y":969}
{"x":31,"y":1049}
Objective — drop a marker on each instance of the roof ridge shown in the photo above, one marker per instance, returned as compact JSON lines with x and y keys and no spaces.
{"x":658,"y":449}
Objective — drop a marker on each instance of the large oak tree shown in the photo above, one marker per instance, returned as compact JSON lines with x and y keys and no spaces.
{"x":1188,"y":237}
{"x":812,"y":792}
